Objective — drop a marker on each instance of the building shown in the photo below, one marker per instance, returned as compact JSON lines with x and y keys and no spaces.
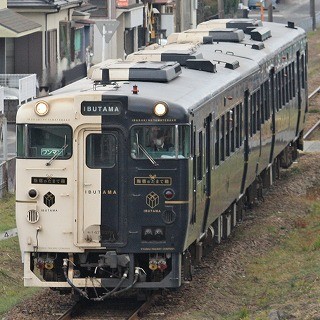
{"x":133,"y":24}
{"x":59,"y":50}
{"x":17,"y":30}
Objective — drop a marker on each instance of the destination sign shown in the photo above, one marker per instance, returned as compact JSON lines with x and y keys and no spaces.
{"x":155,"y":181}
{"x":101,"y":108}
{"x":48,"y":180}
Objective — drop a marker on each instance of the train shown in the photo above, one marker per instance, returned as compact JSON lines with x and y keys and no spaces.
{"x":124,"y":178}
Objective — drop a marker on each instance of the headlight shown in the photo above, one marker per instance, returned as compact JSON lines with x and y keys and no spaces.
{"x":41,"y":108}
{"x":33,"y":193}
{"x":160,"y":109}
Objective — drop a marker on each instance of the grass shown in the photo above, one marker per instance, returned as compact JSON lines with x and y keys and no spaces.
{"x":313,"y":65}
{"x":12,"y":290}
{"x":288,"y":272}
{"x":7,"y":213}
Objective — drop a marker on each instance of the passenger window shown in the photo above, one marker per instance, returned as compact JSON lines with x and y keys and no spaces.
{"x":200,"y":157}
{"x":232,"y":129}
{"x":293,"y":79}
{"x":228,"y":134}
{"x":216,"y":145}
{"x":222,"y":138}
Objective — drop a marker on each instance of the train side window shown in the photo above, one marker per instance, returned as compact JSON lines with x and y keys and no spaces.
{"x":278,"y":80}
{"x":217,"y":143}
{"x":287,"y":77}
{"x":250,"y":119}
{"x":253,"y":114}
{"x":264,"y":88}
{"x":262,"y":109}
{"x":222,"y":138}
{"x":228,"y":134}
{"x":266,"y":99}
{"x":303,"y":76}
{"x":101,"y":150}
{"x":283,"y":91}
{"x":290,"y":82}
{"x":258,"y":104}
{"x":293,"y":66}
{"x":238,"y":130}
{"x":239,"y":125}
{"x":232,"y":129}
{"x":200,"y":157}
{"x":44,"y":141}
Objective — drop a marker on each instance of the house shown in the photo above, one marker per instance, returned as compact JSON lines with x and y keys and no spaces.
{"x":133,"y":24}
{"x":16,"y":29}
{"x":59,"y":51}
{"x":122,"y":25}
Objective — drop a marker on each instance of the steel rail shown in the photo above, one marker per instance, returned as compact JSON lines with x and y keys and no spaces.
{"x":142,"y":309}
{"x":314,"y":93}
{"x":318,"y":123}
{"x":68,"y":315}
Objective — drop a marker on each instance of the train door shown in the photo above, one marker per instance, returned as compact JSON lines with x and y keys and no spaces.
{"x":272,"y":110}
{"x":208,"y":153}
{"x":301,"y":90}
{"x":102,"y":181}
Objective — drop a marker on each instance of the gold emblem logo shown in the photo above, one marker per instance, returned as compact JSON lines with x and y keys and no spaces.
{"x":152,"y":200}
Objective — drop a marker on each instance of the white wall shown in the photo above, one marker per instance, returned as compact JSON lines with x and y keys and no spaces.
{"x":3,"y":4}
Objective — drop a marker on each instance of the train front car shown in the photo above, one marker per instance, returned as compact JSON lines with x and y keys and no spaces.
{"x":123,"y":181}
{"x":102,"y":189}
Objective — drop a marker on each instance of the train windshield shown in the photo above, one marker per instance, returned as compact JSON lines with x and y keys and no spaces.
{"x":160,"y":142}
{"x":44,"y":141}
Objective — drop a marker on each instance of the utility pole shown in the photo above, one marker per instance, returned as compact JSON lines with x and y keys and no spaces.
{"x":221,"y":9}
{"x":313,"y":14}
{"x":178,"y":16}
{"x":270,"y":11}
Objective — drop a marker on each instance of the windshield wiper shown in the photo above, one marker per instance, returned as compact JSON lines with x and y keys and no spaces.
{"x":145,"y":152}
{"x":59,"y":152}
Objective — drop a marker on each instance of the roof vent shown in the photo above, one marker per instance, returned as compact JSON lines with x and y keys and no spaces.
{"x":232,"y":65}
{"x":207,"y":40}
{"x":243,"y":24}
{"x":180,"y":56}
{"x":258,"y":46}
{"x":228,"y":59}
{"x":156,"y":71}
{"x":291,"y":25}
{"x":201,"y":65}
{"x":227,"y":35}
{"x":260,"y":34}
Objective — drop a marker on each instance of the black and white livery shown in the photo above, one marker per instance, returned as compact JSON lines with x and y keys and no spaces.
{"x":124,"y":176}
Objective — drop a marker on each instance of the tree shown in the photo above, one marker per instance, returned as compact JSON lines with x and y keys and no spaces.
{"x":208,"y":9}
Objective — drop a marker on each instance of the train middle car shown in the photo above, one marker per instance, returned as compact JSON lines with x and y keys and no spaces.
{"x":122,"y":177}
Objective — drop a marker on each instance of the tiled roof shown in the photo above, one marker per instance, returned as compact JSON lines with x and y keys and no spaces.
{"x":42,"y":4}
{"x":16,"y":22}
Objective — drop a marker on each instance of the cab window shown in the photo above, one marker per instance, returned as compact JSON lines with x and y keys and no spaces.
{"x":44,"y":141}
{"x":160,"y":142}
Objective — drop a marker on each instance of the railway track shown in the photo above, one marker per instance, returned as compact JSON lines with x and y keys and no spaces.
{"x":308,"y":133}
{"x":312,"y":94}
{"x":113,"y":309}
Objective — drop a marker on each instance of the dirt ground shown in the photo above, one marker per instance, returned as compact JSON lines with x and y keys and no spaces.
{"x":219,"y":289}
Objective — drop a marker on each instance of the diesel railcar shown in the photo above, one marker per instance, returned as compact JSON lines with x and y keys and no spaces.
{"x":124,"y":176}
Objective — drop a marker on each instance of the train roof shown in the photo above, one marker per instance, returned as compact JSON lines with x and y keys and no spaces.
{"x":196,"y":64}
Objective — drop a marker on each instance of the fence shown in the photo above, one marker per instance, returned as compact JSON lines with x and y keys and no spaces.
{"x":23,"y":86}
{"x":306,"y":23}
{"x":1,"y":100}
{"x":7,"y":177}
